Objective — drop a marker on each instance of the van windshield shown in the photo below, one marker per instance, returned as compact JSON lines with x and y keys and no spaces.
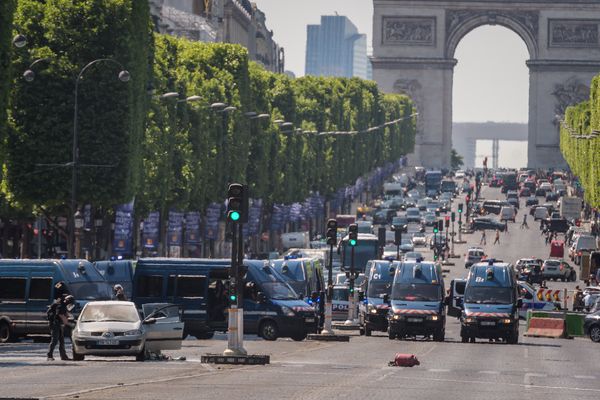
{"x":278,"y":291}
{"x":292,"y":270}
{"x":90,"y":290}
{"x":489,"y":295}
{"x":416,"y":292}
{"x":378,"y":288}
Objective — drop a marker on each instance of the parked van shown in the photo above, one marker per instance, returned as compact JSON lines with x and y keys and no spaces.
{"x":27,"y":288}
{"x":304,"y":275}
{"x":117,"y":272}
{"x":271,"y":307}
{"x":418,"y":306}
{"x":373,"y":310}
{"x":491,"y":303}
{"x":507,"y":213}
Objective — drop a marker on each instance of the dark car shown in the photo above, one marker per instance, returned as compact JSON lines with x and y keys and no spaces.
{"x":540,"y":192}
{"x":591,"y":326}
{"x":525,"y":192}
{"x":496,"y":181}
{"x":513,"y":202}
{"x":560,"y":225}
{"x":532,"y":201}
{"x":552,"y":196}
{"x":382,"y":217}
{"x":487,"y":223}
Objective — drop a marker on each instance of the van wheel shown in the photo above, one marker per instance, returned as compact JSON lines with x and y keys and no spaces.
{"x":6,"y":334}
{"x":464,"y":339}
{"x":439,"y":335}
{"x":392,"y":335}
{"x":472,"y":339}
{"x":77,"y":357}
{"x":361,"y":331}
{"x":367,"y":332}
{"x":268,"y":330}
{"x":513,"y":338}
{"x":298,"y":337}
{"x":204,"y":335}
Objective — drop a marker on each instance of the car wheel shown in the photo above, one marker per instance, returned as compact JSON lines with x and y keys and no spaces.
{"x":204,"y":335}
{"x":268,"y":331}
{"x":573,"y":276}
{"x":595,"y":333}
{"x":77,"y":356}
{"x":6,"y":334}
{"x":298,"y":337}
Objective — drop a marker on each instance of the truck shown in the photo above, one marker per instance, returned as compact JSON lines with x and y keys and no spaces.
{"x":391,"y":189}
{"x":433,"y":181}
{"x":570,"y":208}
{"x":449,"y":186}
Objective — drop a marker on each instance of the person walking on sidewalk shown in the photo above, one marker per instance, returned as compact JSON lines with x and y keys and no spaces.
{"x":483,"y":238}
{"x":524,"y":224}
{"x":497,"y":240}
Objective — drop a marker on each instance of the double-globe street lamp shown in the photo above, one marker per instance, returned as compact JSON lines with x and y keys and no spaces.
{"x":29,"y":76}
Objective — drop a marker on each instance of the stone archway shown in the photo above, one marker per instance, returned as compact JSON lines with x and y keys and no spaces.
{"x":414,"y":44}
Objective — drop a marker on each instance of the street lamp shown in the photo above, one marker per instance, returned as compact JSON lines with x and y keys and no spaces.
{"x":19,"y":41}
{"x":124,"y":76}
{"x":29,"y":74}
{"x":78,"y":225}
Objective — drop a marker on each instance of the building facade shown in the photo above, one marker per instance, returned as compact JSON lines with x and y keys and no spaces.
{"x":336,"y":48}
{"x":229,"y":21}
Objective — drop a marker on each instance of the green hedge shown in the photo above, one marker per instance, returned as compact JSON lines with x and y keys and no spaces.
{"x":111,"y":113}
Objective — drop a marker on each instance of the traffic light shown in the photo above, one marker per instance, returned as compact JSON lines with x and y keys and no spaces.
{"x":353,"y":235}
{"x":332,"y":232}
{"x":453,"y":216}
{"x":467,"y":200}
{"x":398,"y":237}
{"x":460,"y":208}
{"x":447,"y":221}
{"x":237,"y":203}
{"x":440,"y":225}
{"x":435,"y":228}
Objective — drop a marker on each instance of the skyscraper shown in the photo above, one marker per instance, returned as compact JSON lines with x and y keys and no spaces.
{"x":335,"y":48}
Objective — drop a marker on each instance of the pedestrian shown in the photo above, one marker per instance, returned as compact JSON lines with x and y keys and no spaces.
{"x":119,"y":293}
{"x":483,"y":238}
{"x":58,"y":318}
{"x":524,"y":224}
{"x":497,"y":240}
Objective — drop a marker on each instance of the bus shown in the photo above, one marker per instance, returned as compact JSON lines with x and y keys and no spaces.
{"x":366,"y":249}
{"x":433,"y":181}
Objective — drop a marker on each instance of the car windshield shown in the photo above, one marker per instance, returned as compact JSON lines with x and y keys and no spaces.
{"x":278,"y":291}
{"x":91,"y":290}
{"x":488,"y":295}
{"x":416,"y":292}
{"x":109,"y":312}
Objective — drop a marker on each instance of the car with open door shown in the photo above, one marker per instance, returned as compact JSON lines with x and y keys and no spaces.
{"x":114,"y":328}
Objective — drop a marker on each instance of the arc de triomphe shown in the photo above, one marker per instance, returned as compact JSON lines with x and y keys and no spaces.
{"x":413,"y":52}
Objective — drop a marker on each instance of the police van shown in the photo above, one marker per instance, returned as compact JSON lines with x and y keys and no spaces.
{"x":374,"y":307}
{"x":417,"y":301}
{"x":118,"y":272}
{"x":27,"y":288}
{"x":304,"y":275}
{"x":491,"y":303}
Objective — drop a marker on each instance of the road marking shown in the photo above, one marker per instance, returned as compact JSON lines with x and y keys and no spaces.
{"x":384,"y":377}
{"x":529,"y":375}
{"x":584,"y":377}
{"x":526,"y":352}
{"x":490,"y":372}
{"x":438,"y":370}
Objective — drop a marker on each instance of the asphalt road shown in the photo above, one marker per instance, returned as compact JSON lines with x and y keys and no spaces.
{"x":534,"y":368}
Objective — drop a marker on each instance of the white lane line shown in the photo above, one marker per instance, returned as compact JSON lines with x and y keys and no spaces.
{"x":384,"y":377}
{"x":528,"y":376}
{"x":584,"y":377}
{"x":490,"y":372}
{"x":438,"y":370}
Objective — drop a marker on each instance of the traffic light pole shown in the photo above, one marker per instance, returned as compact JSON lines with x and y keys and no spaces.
{"x":327,"y":329}
{"x":351,"y":300}
{"x":235,"y":327}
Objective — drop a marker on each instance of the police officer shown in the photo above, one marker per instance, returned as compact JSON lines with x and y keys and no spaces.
{"x":58,"y":316}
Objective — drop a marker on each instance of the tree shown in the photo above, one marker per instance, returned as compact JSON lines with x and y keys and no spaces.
{"x":7,"y":8}
{"x":456,"y":160}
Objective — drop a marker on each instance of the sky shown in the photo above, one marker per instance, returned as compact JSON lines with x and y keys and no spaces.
{"x":491,"y":80}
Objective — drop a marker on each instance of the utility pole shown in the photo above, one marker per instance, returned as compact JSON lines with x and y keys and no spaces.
{"x":352,"y":242}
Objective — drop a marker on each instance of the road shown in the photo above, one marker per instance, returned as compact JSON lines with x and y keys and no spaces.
{"x":544,"y":368}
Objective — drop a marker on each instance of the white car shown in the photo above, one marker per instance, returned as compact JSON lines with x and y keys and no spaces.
{"x":540,"y":213}
{"x":419,"y":239}
{"x":460,"y":174}
{"x":114,"y":328}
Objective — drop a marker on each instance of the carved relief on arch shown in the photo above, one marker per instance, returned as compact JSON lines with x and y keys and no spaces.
{"x":460,"y":22}
{"x":413,"y":89}
{"x":569,"y":93}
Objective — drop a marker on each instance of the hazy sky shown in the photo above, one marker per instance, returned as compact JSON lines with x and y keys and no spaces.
{"x":491,"y":81}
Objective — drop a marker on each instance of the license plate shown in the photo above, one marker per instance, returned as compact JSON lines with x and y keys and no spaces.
{"x":488,"y":323}
{"x":414,"y":319}
{"x":309,"y":319}
{"x":108,"y":342}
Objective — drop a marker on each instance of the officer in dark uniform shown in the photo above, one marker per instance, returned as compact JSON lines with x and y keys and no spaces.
{"x":58,"y":316}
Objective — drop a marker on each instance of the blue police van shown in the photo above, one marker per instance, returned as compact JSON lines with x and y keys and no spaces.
{"x":491,"y":303}
{"x":304,"y":275}
{"x":373,"y":309}
{"x":418,"y":303}
{"x":27,"y":288}
{"x":118,"y":272}
{"x":271,"y":307}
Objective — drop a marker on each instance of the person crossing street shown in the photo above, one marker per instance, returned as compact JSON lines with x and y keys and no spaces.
{"x":524,"y":224}
{"x":483,"y":238}
{"x":497,"y":240}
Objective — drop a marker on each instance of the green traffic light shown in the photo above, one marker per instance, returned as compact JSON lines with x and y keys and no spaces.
{"x":232,"y":297}
{"x":234,"y":216}
{"x":435,"y":230}
{"x":352,"y":242}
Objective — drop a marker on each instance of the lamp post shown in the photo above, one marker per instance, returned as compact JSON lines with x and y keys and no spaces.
{"x":98,"y":222}
{"x":78,"y":225}
{"x":124,"y":76}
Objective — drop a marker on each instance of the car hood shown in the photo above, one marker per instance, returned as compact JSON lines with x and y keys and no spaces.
{"x":108,"y":326}
{"x":488,"y":310}
{"x":416,"y":307}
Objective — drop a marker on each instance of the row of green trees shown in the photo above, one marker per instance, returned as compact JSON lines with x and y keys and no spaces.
{"x":166,"y":152}
{"x":580,"y":148}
